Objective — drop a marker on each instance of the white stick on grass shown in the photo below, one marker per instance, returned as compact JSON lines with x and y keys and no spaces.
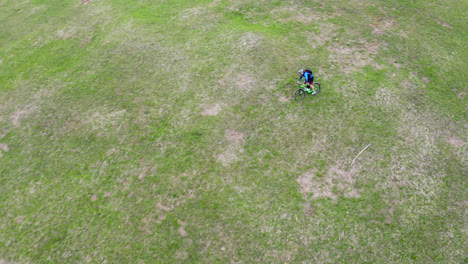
{"x":352,"y":163}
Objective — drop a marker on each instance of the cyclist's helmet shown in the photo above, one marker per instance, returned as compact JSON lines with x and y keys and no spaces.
{"x":301,"y":71}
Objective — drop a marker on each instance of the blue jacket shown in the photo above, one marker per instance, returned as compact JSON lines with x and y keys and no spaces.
{"x":307,"y":75}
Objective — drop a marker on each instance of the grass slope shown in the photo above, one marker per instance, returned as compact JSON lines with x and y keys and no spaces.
{"x":165,"y":132}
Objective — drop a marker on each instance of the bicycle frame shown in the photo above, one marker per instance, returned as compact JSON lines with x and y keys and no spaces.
{"x":304,"y":87}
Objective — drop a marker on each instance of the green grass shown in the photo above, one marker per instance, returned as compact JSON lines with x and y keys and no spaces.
{"x":166,"y":132}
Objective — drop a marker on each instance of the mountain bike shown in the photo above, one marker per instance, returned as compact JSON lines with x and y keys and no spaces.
{"x":300,"y":93}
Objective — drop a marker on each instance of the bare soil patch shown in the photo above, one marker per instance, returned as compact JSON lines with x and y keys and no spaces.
{"x":325,"y":34}
{"x":352,"y":58}
{"x":243,"y":81}
{"x":99,"y":119}
{"x":456,"y":142}
{"x":461,"y":95}
{"x":227,"y":157}
{"x":283,"y":99}
{"x":445,"y":25}
{"x":236,"y":141}
{"x":320,"y":188}
{"x":336,"y":182}
{"x":290,"y":13}
{"x":235,"y":137}
{"x":143,"y":173}
{"x":250,"y":41}
{"x":84,"y":2}
{"x":22,"y":113}
{"x":383,"y":25}
{"x":163,"y":207}
{"x":212,"y":110}
{"x":181,"y":229}
{"x":4,"y":147}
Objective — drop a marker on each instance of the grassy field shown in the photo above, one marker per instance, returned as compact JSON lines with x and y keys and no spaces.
{"x":154,"y":131}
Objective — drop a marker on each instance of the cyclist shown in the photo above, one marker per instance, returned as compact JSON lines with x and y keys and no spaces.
{"x":308,"y":79}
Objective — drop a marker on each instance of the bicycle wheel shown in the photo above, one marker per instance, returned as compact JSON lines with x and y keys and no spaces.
{"x":317,"y":88}
{"x":299,"y":94}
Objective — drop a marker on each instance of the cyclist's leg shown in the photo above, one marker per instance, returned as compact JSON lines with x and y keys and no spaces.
{"x":312,"y":83}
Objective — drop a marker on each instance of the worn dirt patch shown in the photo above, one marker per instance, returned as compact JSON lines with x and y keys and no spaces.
{"x":382,"y":25}
{"x":456,"y":142}
{"x":243,"y":81}
{"x":426,"y":80}
{"x":337,"y":182}
{"x":320,"y":188}
{"x":325,"y":34}
{"x":290,"y":13}
{"x":147,"y":223}
{"x":84,"y":2}
{"x":163,"y":207}
{"x":226,"y":158}
{"x":145,"y":171}
{"x":386,"y":97}
{"x":99,"y":119}
{"x":22,"y":113}
{"x":445,"y":25}
{"x":69,"y":33}
{"x":283,"y":99}
{"x":212,"y":110}
{"x":236,"y":141}
{"x":4,"y":147}
{"x":353,"y":58}
{"x":86,"y":39}
{"x":235,"y":137}
{"x":181,"y":229}
{"x":249,"y":41}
